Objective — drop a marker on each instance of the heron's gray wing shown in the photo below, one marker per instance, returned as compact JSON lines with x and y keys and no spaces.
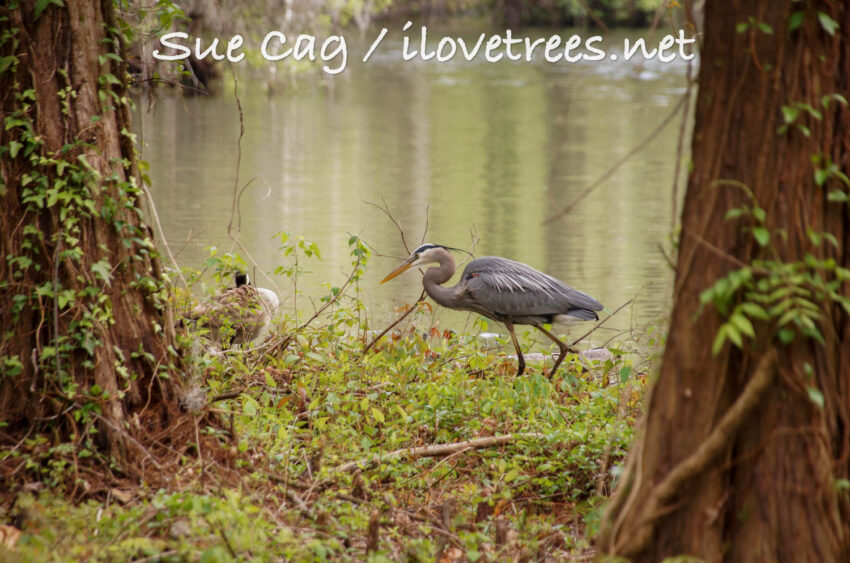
{"x":513,"y":289}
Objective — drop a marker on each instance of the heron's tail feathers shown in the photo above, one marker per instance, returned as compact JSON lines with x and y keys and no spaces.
{"x":583,"y":315}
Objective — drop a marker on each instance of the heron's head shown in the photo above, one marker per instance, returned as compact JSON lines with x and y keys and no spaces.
{"x":426,"y":254}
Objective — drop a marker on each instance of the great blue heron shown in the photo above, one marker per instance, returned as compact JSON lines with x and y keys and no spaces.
{"x":244,"y":310}
{"x":503,"y":290}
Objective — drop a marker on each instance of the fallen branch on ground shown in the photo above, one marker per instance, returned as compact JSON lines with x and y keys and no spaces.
{"x":436,"y":450}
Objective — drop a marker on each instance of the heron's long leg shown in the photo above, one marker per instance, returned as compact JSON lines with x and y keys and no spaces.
{"x":564,"y":349}
{"x":510,"y":326}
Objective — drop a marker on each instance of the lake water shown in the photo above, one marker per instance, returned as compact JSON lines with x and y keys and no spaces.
{"x":492,"y":149}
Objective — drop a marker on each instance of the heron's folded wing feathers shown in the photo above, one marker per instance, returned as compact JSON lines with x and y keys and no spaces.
{"x":512,"y":288}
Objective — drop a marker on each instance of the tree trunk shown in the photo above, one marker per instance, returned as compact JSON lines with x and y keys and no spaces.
{"x":86,"y":342}
{"x":740,"y":458}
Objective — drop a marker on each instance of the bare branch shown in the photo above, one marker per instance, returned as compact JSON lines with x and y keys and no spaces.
{"x":395,"y":322}
{"x":586,"y":192}
{"x":436,"y":450}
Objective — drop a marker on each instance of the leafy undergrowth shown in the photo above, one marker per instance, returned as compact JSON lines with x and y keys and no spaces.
{"x":290,"y":417}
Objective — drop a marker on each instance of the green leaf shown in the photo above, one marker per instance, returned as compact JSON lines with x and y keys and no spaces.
{"x":827,"y":23}
{"x":836,"y":96}
{"x":41,"y":5}
{"x":103,"y":270}
{"x":733,"y":213}
{"x":743,"y":324}
{"x":377,"y":415}
{"x":765,"y":28}
{"x":837,"y":195}
{"x":754,"y":310}
{"x":786,"y":335}
{"x":734,"y":335}
{"x":821,"y":176}
{"x":719,"y":339}
{"x":742,"y":27}
{"x":816,"y":396}
{"x":762,"y":235}
{"x":14,"y":147}
{"x":795,"y":21}
{"x":790,"y":113}
{"x":6,"y":62}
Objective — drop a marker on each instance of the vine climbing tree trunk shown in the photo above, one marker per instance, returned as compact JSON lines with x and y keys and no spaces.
{"x":745,"y":452}
{"x":87,"y":353}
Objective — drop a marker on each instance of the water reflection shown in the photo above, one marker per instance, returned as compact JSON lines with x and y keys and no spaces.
{"x":489,"y":148}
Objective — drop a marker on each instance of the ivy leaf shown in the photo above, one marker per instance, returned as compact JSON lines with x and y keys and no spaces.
{"x":41,"y":5}
{"x":734,"y":213}
{"x":816,"y":396}
{"x":795,"y":21}
{"x":762,"y":235}
{"x":742,"y":27}
{"x":827,"y":23}
{"x":786,"y":335}
{"x":837,"y":195}
{"x":103,"y":270}
{"x":14,"y":147}
{"x":6,"y":62}
{"x":790,"y":113}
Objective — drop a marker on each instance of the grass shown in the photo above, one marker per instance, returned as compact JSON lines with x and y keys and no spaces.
{"x":286,"y":418}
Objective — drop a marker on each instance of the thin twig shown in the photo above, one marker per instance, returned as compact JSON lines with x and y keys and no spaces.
{"x":593,"y":16}
{"x":586,"y":192}
{"x":395,"y":323}
{"x":386,"y":211}
{"x":681,"y":143}
{"x":602,"y":322}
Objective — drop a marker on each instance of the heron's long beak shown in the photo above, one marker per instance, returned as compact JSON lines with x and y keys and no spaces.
{"x":406,"y":265}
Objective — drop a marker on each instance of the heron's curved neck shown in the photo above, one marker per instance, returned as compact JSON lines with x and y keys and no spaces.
{"x":435,"y":277}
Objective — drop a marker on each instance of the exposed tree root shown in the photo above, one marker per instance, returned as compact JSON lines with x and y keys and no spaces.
{"x":716,"y":442}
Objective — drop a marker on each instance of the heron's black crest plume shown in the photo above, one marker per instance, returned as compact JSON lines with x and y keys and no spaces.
{"x":428,"y":246}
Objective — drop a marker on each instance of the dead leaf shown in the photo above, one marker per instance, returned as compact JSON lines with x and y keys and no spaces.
{"x":121,"y":496}
{"x":9,"y":536}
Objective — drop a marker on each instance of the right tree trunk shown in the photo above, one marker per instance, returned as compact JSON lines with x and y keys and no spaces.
{"x":767,"y":488}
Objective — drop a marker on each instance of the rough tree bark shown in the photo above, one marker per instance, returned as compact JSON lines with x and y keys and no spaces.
{"x":736,"y":462}
{"x":85,"y":341}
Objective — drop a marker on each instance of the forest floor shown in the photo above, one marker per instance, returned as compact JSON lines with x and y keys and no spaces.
{"x":324,"y":452}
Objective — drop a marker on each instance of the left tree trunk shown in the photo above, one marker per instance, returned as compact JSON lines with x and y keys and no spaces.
{"x":86,"y":341}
